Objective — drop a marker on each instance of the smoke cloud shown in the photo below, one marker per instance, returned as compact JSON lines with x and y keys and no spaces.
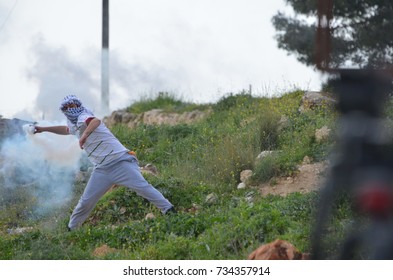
{"x":42,"y":165}
{"x":57,"y":73}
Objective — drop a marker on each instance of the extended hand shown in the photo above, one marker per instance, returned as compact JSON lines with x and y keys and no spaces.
{"x":38,"y":129}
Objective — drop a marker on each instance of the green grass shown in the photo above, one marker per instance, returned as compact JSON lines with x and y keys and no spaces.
{"x":216,"y":232}
{"x":194,"y":161}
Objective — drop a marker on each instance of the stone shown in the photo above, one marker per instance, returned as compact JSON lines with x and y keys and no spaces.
{"x":245,"y":176}
{"x":277,"y":250}
{"x":19,"y":230}
{"x":103,"y":251}
{"x":149,"y":216}
{"x":264,"y":154}
{"x":322,"y":134}
{"x":149,"y":169}
{"x":211,"y":198}
{"x":314,"y":99}
{"x":153,"y":117}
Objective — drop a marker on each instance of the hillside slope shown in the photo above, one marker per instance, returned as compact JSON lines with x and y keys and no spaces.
{"x":199,"y":165}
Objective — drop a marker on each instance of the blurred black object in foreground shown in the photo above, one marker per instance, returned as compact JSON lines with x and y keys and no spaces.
{"x":361,"y":170}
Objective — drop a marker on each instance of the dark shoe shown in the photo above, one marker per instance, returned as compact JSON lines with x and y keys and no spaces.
{"x":171,"y":211}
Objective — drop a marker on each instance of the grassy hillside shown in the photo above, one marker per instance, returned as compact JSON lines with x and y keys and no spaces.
{"x":194,"y":161}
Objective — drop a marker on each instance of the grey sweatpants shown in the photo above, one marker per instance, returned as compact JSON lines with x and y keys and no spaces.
{"x":124,"y":171}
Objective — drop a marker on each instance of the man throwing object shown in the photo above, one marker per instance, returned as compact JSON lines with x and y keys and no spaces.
{"x":113,"y":163}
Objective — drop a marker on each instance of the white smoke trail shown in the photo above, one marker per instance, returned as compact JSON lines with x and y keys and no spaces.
{"x":58,"y":73}
{"x":44,"y":164}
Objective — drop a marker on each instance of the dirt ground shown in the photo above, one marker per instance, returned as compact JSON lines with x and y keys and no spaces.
{"x":310,"y":177}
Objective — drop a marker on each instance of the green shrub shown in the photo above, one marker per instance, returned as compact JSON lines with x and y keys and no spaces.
{"x":231,"y":101}
{"x":266,"y":169}
{"x":118,"y":206}
{"x":173,"y":248}
{"x":268,"y":130}
{"x":165,"y":101}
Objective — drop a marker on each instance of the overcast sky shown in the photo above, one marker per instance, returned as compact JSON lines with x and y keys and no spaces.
{"x":197,"y":49}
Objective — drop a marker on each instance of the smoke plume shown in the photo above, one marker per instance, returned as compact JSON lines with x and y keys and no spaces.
{"x":57,"y":73}
{"x":43,"y":165}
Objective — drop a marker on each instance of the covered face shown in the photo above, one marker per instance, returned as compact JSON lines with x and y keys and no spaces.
{"x":71,"y":106}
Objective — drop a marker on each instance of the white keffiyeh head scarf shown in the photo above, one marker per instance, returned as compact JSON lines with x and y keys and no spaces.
{"x":72,"y":114}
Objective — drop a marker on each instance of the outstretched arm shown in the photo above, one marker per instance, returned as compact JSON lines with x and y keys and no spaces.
{"x":59,"y":129}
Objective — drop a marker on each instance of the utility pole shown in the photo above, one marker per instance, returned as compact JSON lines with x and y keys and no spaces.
{"x":105,"y":58}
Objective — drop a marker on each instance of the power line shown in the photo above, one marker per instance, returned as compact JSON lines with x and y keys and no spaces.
{"x":9,"y":14}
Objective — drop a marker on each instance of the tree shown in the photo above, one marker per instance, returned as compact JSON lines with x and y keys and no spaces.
{"x":361,"y":33}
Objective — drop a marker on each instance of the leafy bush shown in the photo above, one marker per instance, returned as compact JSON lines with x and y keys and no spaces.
{"x":165,"y":101}
{"x":231,"y":101}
